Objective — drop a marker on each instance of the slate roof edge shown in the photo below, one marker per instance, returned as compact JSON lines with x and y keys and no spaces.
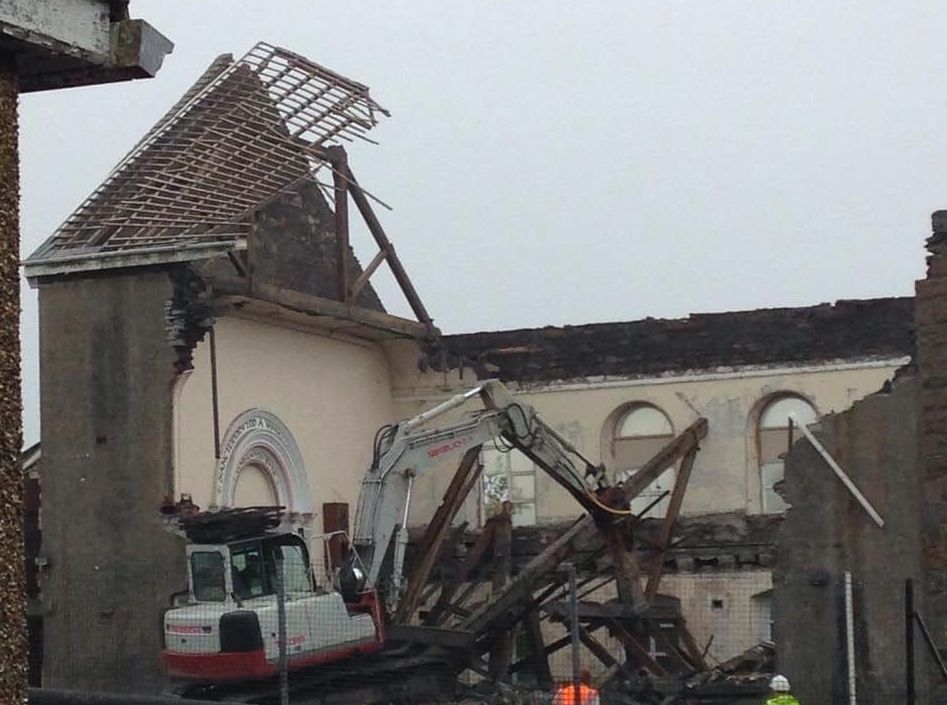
{"x":38,"y":267}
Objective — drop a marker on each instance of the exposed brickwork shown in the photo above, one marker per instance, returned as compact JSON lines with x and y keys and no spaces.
{"x":872,"y":328}
{"x":931,"y":324}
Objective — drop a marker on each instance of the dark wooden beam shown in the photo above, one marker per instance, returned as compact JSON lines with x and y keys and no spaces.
{"x":537,"y":650}
{"x":666,"y":457}
{"x":625,"y":566}
{"x":319,"y":306}
{"x":341,"y":193}
{"x":597,"y":648}
{"x":362,"y":279}
{"x":635,"y":651}
{"x":378,"y":232}
{"x":441,"y":607}
{"x":501,"y":651}
{"x":464,"y":479}
{"x":670,"y":521}
{"x":509,"y":605}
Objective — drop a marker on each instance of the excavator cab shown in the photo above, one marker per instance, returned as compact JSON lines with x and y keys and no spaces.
{"x":248,"y":569}
{"x":228,"y":627}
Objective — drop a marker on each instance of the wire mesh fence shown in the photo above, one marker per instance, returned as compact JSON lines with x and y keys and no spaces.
{"x":284,"y":618}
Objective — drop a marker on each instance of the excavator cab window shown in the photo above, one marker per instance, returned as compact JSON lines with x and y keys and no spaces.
{"x":207,"y":575}
{"x":251,"y":578}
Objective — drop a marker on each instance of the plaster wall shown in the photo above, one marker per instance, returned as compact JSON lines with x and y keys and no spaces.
{"x":331,"y":393}
{"x":726,"y":474}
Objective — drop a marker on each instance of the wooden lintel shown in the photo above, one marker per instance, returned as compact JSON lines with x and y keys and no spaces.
{"x":318,"y":306}
{"x":362,"y":279}
{"x":670,"y":521}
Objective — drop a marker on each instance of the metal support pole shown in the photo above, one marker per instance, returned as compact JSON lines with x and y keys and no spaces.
{"x":215,"y":405}
{"x":910,"y":694}
{"x":281,"y":631}
{"x":850,"y":638}
{"x":13,"y":646}
{"x":574,"y":613}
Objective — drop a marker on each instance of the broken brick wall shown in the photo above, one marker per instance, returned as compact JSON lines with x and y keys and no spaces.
{"x":931,"y":359}
{"x":826,"y":532}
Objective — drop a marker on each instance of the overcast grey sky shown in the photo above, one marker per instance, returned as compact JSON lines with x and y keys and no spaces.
{"x":555,"y":163}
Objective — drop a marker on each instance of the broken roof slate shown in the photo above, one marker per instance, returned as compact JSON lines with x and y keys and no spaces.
{"x":848,"y":330}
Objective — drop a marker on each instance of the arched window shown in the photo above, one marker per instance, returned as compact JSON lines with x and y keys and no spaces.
{"x":773,"y":442}
{"x":639,"y":434}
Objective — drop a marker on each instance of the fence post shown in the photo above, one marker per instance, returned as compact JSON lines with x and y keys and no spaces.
{"x":281,"y":630}
{"x":910,"y":695}
{"x":850,"y":637}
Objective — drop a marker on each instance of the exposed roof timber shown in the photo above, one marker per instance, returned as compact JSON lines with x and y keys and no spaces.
{"x":247,"y":131}
{"x":144,"y":257}
{"x":324,"y":313}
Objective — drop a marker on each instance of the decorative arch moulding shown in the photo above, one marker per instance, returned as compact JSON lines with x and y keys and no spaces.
{"x":259,"y":438}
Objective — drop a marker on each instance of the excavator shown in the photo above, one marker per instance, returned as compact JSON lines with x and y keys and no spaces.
{"x":226,"y":625}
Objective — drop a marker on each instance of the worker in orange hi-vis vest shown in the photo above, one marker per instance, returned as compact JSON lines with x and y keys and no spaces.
{"x":584,"y":695}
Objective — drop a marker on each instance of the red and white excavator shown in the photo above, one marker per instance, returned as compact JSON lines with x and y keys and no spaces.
{"x":225,"y":627}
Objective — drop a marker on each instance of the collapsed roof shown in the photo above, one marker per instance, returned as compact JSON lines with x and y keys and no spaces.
{"x":844,"y":331}
{"x":248,"y":131}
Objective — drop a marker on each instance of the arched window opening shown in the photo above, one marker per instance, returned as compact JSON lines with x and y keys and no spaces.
{"x":773,"y":443}
{"x":640,"y":433}
{"x":254,"y":488}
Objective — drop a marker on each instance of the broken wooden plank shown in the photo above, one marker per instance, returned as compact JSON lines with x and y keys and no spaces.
{"x":464,"y":479}
{"x":470,"y":561}
{"x":501,"y":651}
{"x":634,"y":650}
{"x":597,"y":649}
{"x":537,"y":650}
{"x":362,"y":279}
{"x":430,"y":636}
{"x":666,"y":457}
{"x":670,"y":521}
{"x":394,"y":263}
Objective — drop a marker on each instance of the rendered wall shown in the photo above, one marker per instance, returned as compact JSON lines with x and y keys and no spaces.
{"x":331,"y":393}
{"x":726,"y":474}
{"x":106,"y":378}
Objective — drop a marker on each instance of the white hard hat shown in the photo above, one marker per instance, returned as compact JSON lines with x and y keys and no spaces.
{"x":779,"y":684}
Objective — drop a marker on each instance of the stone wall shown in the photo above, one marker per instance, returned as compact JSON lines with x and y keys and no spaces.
{"x":107,"y":371}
